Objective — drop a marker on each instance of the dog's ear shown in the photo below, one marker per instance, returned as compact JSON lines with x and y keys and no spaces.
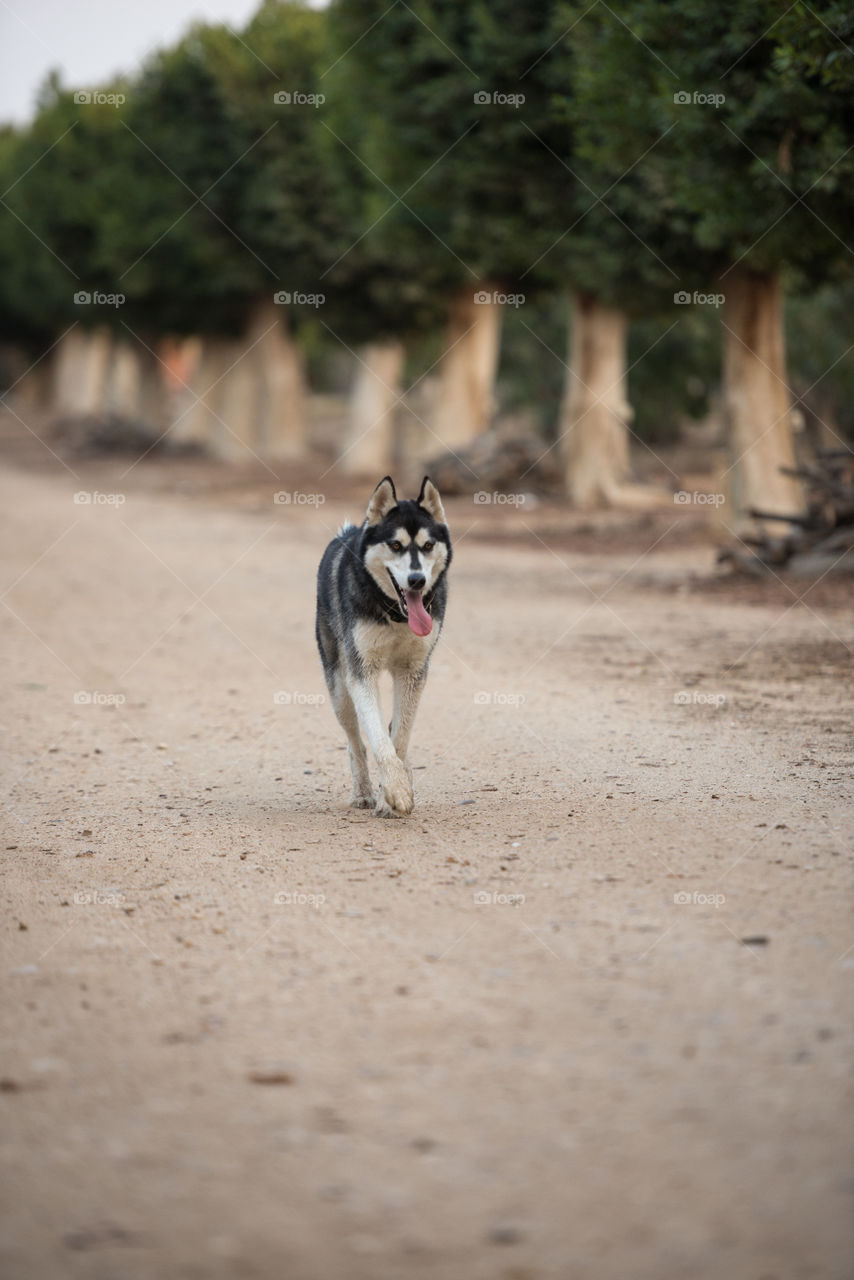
{"x":382,"y":500}
{"x":429,"y":499}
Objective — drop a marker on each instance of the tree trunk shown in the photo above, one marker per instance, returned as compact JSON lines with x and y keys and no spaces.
{"x":250,"y":395}
{"x":235,"y":425}
{"x":196,"y":423}
{"x":123,"y":384}
{"x":756,"y":397}
{"x":464,"y":402}
{"x":82,"y":361}
{"x":281,"y":433}
{"x":369,"y":445}
{"x":596,"y":412}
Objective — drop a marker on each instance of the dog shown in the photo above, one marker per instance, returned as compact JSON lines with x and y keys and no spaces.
{"x":381,"y":595}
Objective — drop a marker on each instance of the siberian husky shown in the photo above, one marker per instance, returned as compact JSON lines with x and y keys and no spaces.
{"x":381,"y":594}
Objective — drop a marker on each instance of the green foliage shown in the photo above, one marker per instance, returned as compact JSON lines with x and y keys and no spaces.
{"x":749,"y":158}
{"x":201,"y":195}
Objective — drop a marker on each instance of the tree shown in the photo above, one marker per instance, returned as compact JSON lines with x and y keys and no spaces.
{"x":755,"y":160}
{"x":439,"y":84}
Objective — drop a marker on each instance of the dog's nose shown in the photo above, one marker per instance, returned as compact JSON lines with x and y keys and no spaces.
{"x":417,"y":581}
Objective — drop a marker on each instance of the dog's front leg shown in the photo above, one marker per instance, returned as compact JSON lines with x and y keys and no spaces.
{"x":408,"y":686}
{"x":395,"y":796}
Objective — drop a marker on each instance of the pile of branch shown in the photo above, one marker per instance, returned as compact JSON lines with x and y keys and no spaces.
{"x":500,"y":459}
{"x":809,"y":545}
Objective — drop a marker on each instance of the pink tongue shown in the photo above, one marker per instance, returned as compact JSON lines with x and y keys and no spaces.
{"x":417,"y":616}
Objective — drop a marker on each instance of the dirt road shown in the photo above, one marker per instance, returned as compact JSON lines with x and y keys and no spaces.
{"x":584,"y":1014}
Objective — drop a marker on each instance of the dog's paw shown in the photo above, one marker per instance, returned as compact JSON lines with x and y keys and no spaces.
{"x":362,"y":802}
{"x":395,"y":800}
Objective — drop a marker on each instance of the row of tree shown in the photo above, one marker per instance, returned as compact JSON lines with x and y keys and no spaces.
{"x":382,"y":174}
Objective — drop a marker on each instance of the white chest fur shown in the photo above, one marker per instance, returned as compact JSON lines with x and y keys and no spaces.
{"x":393,"y":647}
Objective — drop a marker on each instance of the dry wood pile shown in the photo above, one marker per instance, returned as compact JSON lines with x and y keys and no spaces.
{"x":506,"y":460}
{"x":812,"y":544}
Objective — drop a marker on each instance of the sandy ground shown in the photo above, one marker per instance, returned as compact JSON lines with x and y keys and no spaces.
{"x":585,"y":1014}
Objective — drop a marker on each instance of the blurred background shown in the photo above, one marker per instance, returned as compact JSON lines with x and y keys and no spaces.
{"x":589,"y":264}
{"x":580,"y":251}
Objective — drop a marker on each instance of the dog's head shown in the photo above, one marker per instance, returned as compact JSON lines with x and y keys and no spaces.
{"x":406,"y":549}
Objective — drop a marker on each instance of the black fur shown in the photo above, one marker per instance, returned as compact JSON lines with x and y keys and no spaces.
{"x":346,"y":592}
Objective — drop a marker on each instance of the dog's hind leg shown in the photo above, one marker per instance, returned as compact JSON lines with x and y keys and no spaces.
{"x":342,"y":705}
{"x":408,"y":686}
{"x":395,"y":778}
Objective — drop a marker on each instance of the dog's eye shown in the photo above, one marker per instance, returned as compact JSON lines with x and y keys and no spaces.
{"x":396,"y":546}
{"x":428,"y":546}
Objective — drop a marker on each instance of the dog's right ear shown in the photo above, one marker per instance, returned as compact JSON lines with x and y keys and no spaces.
{"x":382,"y":500}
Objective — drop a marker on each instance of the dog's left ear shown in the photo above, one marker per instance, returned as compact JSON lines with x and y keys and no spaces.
{"x":382,"y":500}
{"x":429,"y":499}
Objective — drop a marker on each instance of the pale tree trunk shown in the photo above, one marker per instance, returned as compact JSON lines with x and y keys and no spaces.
{"x":235,"y":429}
{"x":281,"y":432}
{"x":82,"y":362}
{"x":369,"y":444}
{"x":464,"y":400}
{"x":123,"y":381}
{"x":596,"y":413}
{"x":196,"y":424}
{"x":756,"y":397}
{"x":248,"y":396}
